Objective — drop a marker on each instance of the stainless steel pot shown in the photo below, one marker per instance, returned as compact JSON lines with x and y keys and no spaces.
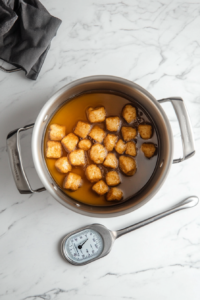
{"x":119,"y":86}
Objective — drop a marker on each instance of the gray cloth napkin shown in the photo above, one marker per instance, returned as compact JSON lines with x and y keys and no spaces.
{"x":26,"y":31}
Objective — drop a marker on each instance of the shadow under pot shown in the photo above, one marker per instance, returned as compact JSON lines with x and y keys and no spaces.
{"x":133,"y":94}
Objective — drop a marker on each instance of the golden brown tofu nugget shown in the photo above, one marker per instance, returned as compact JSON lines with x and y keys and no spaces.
{"x":113,"y":123}
{"x":131,"y":149}
{"x":128,"y":133}
{"x":77,"y":158}
{"x":69,"y":142}
{"x":98,"y":153}
{"x":129,"y":113}
{"x":56,"y":132}
{"x":145,"y":131}
{"x":72,"y":181}
{"x":114,"y":194}
{"x":120,"y":147}
{"x":111,"y":161}
{"x":100,"y":187}
{"x":112,"y":178}
{"x":127,"y":165}
{"x":63,"y":165}
{"x":148,"y":150}
{"x":97,"y":134}
{"x":85,"y":144}
{"x":110,"y":141}
{"x":96,"y":115}
{"x":93,"y":173}
{"x":53,"y":149}
{"x":82,"y":129}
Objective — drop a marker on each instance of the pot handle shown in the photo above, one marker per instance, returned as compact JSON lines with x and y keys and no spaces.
{"x":15,"y":158}
{"x":185,"y":127}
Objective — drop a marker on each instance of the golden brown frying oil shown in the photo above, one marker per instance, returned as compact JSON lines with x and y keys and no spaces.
{"x":73,"y":111}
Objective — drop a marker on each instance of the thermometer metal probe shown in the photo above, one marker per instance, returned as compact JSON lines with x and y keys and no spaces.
{"x":92,"y":242}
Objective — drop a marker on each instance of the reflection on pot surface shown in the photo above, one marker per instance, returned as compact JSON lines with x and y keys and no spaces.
{"x":146,"y":173}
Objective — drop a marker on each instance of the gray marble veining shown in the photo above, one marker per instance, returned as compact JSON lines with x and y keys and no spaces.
{"x":157,"y":45}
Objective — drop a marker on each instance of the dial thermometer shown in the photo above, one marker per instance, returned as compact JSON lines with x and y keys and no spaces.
{"x":92,"y":242}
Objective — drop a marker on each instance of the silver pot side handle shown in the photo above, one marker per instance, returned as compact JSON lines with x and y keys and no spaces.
{"x":185,"y":127}
{"x":15,"y":159}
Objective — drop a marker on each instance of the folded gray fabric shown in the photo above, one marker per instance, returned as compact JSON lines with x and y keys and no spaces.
{"x":26,"y":31}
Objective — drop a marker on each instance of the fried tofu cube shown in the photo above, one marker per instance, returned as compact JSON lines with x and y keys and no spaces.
{"x":112,"y":178}
{"x":100,"y":187}
{"x":131,"y":149}
{"x":93,"y":173}
{"x":77,"y":157}
{"x":127,"y":165}
{"x":98,"y":153}
{"x":113,"y":123}
{"x":145,"y":131}
{"x":85,"y":144}
{"x":82,"y":129}
{"x":62,"y":165}
{"x":72,"y":181}
{"x":120,"y":147}
{"x":110,"y":141}
{"x":128,"y":133}
{"x":96,"y":115}
{"x":114,"y":194}
{"x":97,"y":134}
{"x":53,"y":149}
{"x":69,"y":142}
{"x":129,"y":113}
{"x":148,"y":150}
{"x":111,"y":161}
{"x":56,"y":132}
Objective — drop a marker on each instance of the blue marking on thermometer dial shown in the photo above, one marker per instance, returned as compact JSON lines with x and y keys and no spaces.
{"x":83,"y":246}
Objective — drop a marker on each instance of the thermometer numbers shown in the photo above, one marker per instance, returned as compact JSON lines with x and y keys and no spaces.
{"x":83,"y":246}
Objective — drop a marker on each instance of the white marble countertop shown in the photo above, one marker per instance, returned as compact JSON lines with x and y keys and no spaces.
{"x":157,"y":45}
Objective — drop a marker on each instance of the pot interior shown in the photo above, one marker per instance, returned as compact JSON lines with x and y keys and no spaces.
{"x":132,"y":93}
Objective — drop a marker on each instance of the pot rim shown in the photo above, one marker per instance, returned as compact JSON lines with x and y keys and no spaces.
{"x":41,"y":119}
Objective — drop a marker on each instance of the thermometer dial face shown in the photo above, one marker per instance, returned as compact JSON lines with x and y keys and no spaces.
{"x":83,"y":246}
